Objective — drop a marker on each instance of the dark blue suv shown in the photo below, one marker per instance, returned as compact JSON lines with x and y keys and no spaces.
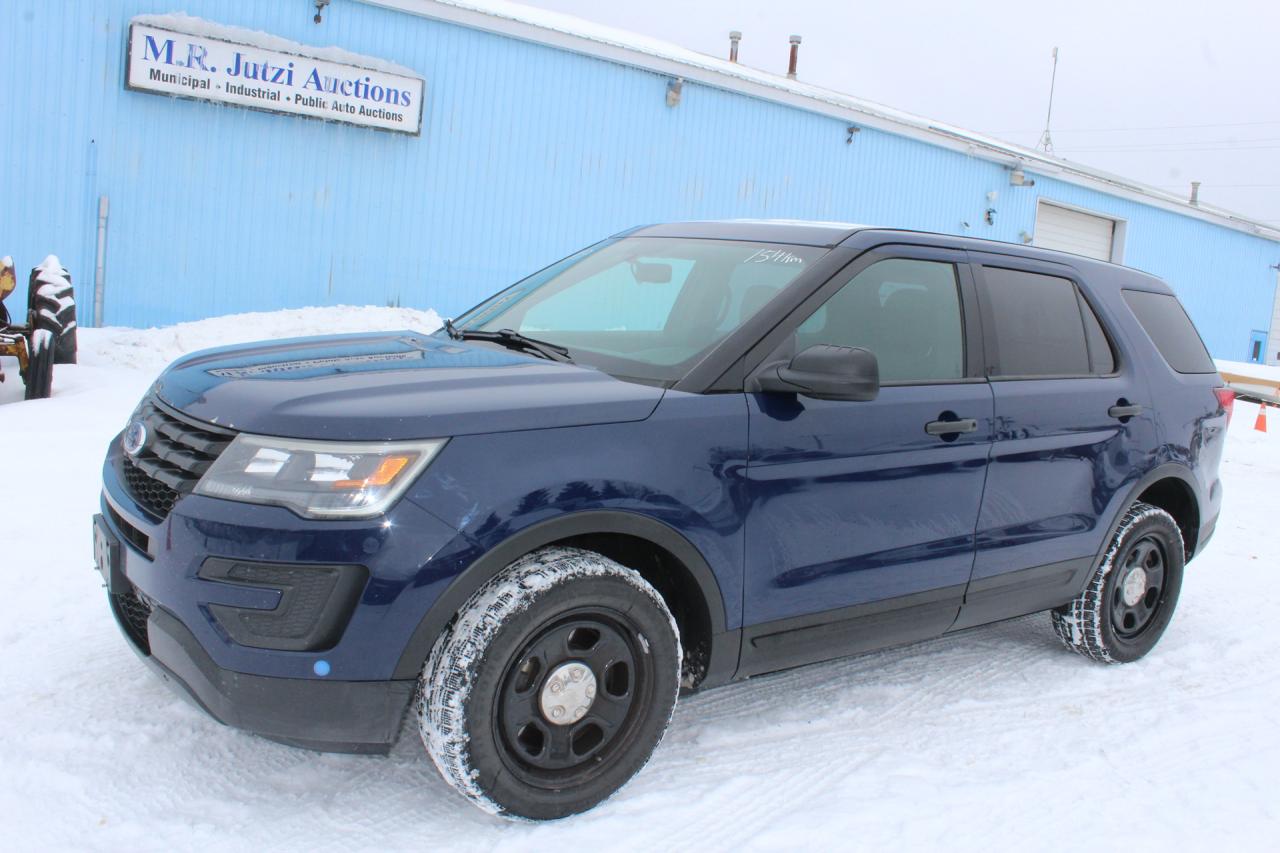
{"x":690,"y":454}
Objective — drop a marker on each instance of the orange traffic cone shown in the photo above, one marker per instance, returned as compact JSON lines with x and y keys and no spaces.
{"x":1261,"y":423}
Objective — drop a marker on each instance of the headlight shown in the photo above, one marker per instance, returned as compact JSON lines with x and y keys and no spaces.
{"x":320,"y":479}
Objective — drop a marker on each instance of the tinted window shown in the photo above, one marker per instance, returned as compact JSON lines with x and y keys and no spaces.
{"x":1037,"y":329}
{"x":1101,"y":357}
{"x":906,"y":312}
{"x":1171,"y":330}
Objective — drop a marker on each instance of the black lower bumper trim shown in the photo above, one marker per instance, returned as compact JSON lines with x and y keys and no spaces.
{"x":329,"y":716}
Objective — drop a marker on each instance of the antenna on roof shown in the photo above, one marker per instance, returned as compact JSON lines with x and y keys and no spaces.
{"x":1046,"y":141}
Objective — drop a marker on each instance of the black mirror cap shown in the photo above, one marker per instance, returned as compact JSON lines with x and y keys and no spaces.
{"x":827,"y":372}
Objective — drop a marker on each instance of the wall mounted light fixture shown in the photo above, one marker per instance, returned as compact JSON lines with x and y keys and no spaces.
{"x":854,"y":130}
{"x":674,"y":88}
{"x":1018,"y":178}
{"x":320,"y":4}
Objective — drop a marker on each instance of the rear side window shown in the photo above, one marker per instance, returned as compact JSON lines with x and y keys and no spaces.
{"x":1164,"y":319}
{"x":1036,"y":324}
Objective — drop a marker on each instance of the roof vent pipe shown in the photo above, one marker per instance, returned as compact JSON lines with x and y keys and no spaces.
{"x":734,"y":38}
{"x":1195,"y":192}
{"x":795,"y":52}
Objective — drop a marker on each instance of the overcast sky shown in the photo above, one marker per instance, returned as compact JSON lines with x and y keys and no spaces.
{"x":1162,"y":92}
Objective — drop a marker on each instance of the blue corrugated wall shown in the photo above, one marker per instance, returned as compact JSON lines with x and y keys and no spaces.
{"x":527,"y":153}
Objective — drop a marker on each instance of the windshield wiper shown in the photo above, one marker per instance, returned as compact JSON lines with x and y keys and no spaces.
{"x":511,"y":340}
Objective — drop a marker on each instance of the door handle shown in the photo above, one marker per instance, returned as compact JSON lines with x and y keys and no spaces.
{"x":1123,"y":411}
{"x":951,"y":427}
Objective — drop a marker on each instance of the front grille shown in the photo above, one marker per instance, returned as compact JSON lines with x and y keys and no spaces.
{"x":154,"y":496}
{"x":176,"y":454}
{"x":131,"y":534}
{"x":133,"y":610}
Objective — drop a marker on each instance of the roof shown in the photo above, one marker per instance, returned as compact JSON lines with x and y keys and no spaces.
{"x":574,"y":34}
{"x":793,"y":231}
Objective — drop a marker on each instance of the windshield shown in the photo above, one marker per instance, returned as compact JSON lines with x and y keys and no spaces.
{"x":644,"y":307}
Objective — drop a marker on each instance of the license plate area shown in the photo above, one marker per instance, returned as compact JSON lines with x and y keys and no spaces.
{"x":107,"y":556}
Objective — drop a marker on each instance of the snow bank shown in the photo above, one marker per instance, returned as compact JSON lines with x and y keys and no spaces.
{"x":153,"y":349}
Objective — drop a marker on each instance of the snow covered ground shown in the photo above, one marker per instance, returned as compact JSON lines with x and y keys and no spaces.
{"x":992,"y":739}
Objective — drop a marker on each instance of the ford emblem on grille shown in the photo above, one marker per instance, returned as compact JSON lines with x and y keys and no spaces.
{"x":134,"y":438}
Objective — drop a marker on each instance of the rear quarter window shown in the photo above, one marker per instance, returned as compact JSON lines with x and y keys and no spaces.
{"x":1166,"y":322}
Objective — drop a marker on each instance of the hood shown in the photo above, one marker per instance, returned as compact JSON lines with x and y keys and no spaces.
{"x":393,"y":385}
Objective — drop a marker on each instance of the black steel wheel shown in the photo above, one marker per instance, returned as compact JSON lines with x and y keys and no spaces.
{"x":571,"y":698}
{"x":1130,"y":598}
{"x":1135,"y":597}
{"x":553,"y":686}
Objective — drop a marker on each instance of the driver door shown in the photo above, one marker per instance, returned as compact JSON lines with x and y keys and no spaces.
{"x":862,"y":515}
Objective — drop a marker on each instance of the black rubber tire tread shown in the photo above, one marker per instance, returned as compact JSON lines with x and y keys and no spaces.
{"x":1084,"y":625}
{"x":39,"y":374}
{"x":53,"y":307}
{"x":466,"y":665}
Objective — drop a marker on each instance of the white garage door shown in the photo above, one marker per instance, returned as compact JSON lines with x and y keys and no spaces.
{"x":1075,"y":232}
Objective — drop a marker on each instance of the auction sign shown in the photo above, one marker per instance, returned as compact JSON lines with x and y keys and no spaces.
{"x":217,"y":68}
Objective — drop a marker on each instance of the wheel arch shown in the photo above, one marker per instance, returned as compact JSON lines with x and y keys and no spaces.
{"x":1177,"y":496}
{"x":672,"y":564}
{"x":1172,"y":487}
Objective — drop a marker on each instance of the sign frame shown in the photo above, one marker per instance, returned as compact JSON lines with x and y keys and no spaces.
{"x":317,"y":62}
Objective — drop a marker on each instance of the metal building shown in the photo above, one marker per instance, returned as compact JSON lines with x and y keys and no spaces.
{"x":536,"y":135}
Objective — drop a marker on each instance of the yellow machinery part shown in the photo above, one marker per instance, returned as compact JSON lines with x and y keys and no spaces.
{"x":16,"y":346}
{"x":7,"y":280}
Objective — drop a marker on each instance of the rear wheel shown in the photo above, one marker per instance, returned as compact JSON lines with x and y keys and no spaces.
{"x":553,"y":687}
{"x":39,"y":374}
{"x":1131,"y":597}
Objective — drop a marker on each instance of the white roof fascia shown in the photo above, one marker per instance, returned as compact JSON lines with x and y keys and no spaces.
{"x":578,"y":36}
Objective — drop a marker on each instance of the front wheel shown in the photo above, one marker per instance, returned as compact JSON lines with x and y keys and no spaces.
{"x":1130,"y":599}
{"x":553,"y":686}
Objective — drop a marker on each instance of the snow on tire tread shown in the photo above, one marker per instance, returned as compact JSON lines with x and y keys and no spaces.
{"x":1080,"y":626}
{"x":445,"y":685}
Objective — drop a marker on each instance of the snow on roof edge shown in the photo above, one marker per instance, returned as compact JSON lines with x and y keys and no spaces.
{"x":558,"y":22}
{"x":191,"y":25}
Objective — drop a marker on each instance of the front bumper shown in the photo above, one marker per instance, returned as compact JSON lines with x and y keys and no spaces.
{"x":335,"y":690}
{"x":331,"y":716}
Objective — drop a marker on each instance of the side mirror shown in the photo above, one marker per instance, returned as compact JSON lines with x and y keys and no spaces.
{"x":826,"y":373}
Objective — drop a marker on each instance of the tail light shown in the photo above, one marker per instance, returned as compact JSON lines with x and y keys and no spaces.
{"x":1227,"y":400}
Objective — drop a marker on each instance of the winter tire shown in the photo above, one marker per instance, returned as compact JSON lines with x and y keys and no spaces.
{"x":51,"y":304}
{"x":39,"y":375}
{"x":1131,"y":597}
{"x":553,"y":686}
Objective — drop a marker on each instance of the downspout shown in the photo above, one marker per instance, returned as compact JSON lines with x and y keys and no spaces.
{"x":100,"y":262}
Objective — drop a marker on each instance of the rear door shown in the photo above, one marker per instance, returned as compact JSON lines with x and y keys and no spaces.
{"x":1072,"y":421}
{"x":860,"y":526}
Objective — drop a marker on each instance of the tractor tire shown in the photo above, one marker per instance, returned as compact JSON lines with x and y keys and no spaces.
{"x":51,"y":304}
{"x":39,"y":374}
